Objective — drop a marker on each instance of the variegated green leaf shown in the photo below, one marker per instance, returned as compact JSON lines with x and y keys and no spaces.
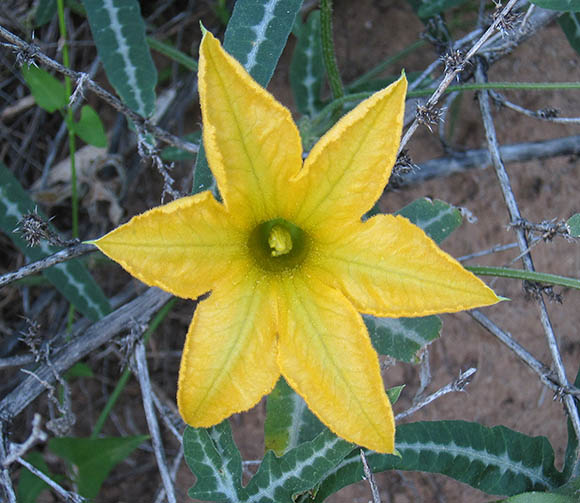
{"x":307,"y":67}
{"x":401,"y":338}
{"x":119,"y":34}
{"x":71,"y":278}
{"x":299,"y":470}
{"x":215,"y":460}
{"x":437,"y":218}
{"x":561,"y":5}
{"x":289,"y":421}
{"x":255,"y":36}
{"x":573,"y":224}
{"x":570,"y":24}
{"x":213,"y":457}
{"x":495,"y":460}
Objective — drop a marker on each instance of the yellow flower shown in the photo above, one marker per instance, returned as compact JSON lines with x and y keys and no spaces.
{"x":288,"y":260}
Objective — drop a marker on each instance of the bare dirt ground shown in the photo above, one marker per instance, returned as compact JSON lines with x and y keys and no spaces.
{"x":503,"y":390}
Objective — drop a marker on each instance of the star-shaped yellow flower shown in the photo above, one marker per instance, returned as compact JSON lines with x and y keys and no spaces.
{"x":288,"y":260}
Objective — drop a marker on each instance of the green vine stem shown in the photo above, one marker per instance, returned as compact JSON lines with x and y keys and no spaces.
{"x":122,"y":382}
{"x":539,"y":277}
{"x":328,"y":53}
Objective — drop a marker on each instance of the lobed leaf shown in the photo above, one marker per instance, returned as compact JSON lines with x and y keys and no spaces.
{"x":119,"y":34}
{"x":215,"y":460}
{"x":213,"y":457}
{"x":495,"y":460}
{"x":401,"y":338}
{"x":71,"y":278}
{"x":289,"y":421}
{"x":437,"y":218}
{"x":256,"y":35}
{"x":299,"y":470}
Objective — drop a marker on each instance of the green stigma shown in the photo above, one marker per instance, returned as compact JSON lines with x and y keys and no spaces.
{"x":280,"y":241}
{"x":278,"y":245}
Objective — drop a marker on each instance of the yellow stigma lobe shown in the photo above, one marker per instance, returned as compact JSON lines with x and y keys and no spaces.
{"x":280,"y":241}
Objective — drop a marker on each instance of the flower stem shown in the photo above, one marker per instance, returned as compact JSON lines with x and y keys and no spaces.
{"x":540,"y":277}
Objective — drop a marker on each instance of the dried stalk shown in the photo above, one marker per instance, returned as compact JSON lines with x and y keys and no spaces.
{"x":522,"y":240}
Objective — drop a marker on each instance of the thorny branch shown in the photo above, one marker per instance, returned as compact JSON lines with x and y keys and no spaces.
{"x":146,"y":393}
{"x":458,"y":384}
{"x":139,"y":310}
{"x":545,"y":374}
{"x":453,"y":70}
{"x":30,"y":53}
{"x":40,"y":265}
{"x":522,"y":240}
{"x":457,"y":162}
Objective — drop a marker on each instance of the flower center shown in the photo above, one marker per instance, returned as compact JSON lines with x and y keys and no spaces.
{"x":280,"y":240}
{"x":278,"y":245}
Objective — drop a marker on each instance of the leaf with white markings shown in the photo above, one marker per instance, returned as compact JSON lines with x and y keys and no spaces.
{"x":71,"y":278}
{"x":255,"y":36}
{"x":401,"y":338}
{"x":307,"y":67}
{"x":215,"y":460}
{"x":437,"y":218}
{"x":119,"y":33}
{"x":213,"y":457}
{"x":299,"y":470}
{"x":495,"y":460}
{"x":289,"y":421}
{"x":573,"y":224}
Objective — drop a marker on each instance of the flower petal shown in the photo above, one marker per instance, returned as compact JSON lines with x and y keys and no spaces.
{"x":349,"y":167}
{"x":251,"y":142}
{"x":388,"y":266}
{"x":229,"y":358}
{"x":183,"y":247}
{"x":326,"y":355}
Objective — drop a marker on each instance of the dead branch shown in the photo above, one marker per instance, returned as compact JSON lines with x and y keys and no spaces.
{"x":457,"y":162}
{"x":57,"y":258}
{"x":140,"y":310}
{"x":515,"y":216}
{"x":33,"y":53}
